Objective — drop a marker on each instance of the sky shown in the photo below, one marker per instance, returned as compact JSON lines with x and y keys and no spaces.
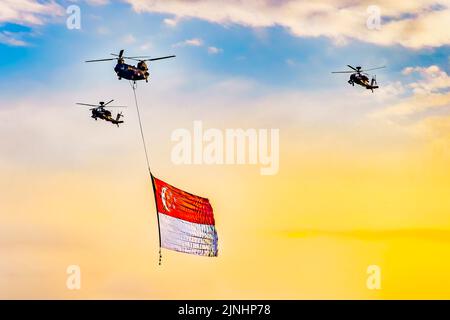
{"x":363,"y":177}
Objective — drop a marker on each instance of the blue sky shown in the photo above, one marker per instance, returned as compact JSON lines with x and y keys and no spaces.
{"x":272,"y":56}
{"x":263,"y":57}
{"x":252,"y":63}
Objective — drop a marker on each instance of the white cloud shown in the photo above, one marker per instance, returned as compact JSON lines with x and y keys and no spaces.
{"x":291,"y":62}
{"x":102,"y":30}
{"x":195,"y":42}
{"x":97,"y":2}
{"x":430,"y":91}
{"x":415,"y":104}
{"x":413,"y":24}
{"x":28,"y":12}
{"x":170,"y":22}
{"x":10,"y":39}
{"x":129,"y":39}
{"x":432,"y":79}
{"x":214,"y":50}
{"x":145,"y":46}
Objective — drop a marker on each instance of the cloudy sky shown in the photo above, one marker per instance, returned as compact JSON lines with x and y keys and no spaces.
{"x":363,"y":176}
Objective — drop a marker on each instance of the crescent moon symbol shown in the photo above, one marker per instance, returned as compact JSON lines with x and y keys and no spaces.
{"x":163,"y":198}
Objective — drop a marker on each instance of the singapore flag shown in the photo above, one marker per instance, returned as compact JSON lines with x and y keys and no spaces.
{"x":186,"y":221}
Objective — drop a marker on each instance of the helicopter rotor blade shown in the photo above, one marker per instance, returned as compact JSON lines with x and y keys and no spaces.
{"x":88,"y":105}
{"x":117,"y":107}
{"x":352,"y":67}
{"x":98,"y":60}
{"x":160,"y":58}
{"x":374,"y":68}
{"x":137,"y":57}
{"x":105,"y":104}
{"x":342,"y":72}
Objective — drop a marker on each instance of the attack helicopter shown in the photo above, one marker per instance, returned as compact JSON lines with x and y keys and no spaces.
{"x":359,"y":76}
{"x":129,"y":72}
{"x":99,"y":112}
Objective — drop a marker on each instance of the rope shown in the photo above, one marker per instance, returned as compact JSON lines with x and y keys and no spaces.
{"x":134,"y":87}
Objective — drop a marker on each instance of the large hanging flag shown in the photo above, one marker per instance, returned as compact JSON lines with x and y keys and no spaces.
{"x":186,"y":221}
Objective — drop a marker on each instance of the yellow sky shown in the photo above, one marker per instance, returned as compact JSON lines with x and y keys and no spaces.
{"x":337,"y":206}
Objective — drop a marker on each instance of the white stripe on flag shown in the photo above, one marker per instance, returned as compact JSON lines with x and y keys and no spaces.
{"x":188,"y":237}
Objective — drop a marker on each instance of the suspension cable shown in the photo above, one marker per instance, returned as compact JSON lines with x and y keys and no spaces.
{"x":134,"y":86}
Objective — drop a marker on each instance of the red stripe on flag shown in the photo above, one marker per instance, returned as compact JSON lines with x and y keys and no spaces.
{"x":180,"y":204}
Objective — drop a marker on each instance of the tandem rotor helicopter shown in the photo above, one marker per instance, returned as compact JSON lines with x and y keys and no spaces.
{"x":99,"y":111}
{"x":129,"y":72}
{"x":359,"y":76}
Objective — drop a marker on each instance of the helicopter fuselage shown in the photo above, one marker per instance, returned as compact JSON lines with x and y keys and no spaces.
{"x":100,"y":113}
{"x":362,"y":80}
{"x":130,"y":72}
{"x":133,"y":73}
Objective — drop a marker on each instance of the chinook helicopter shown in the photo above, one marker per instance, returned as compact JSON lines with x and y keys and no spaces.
{"x":99,"y":111}
{"x":129,"y":72}
{"x":359,"y":76}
